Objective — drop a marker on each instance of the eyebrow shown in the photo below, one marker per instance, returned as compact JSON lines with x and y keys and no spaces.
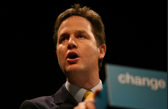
{"x":76,"y":32}
{"x":80,"y":31}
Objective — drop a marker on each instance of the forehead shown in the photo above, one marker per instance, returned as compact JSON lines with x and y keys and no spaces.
{"x":74,"y":23}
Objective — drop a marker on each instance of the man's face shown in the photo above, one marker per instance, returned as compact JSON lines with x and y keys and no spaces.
{"x":77,"y":49}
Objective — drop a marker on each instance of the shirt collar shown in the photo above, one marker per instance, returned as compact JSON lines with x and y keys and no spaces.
{"x":78,"y":92}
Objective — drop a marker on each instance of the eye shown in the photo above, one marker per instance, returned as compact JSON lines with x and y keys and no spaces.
{"x":81,"y":36}
{"x":63,"y":39}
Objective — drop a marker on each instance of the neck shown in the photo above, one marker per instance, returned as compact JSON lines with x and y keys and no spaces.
{"x":86,"y":82}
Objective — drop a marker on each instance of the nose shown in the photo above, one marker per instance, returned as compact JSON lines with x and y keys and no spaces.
{"x":72,"y":43}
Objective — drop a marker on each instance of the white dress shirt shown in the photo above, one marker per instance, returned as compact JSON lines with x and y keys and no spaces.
{"x":78,"y":92}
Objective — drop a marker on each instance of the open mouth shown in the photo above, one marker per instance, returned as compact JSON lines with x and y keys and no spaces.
{"x":72,"y":55}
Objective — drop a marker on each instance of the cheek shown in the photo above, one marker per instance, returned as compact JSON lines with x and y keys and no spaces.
{"x":60,"y":56}
{"x":91,"y":51}
{"x":60,"y":53}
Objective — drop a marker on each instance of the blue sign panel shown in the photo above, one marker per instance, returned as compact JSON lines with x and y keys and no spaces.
{"x":101,"y":101}
{"x":136,"y":88}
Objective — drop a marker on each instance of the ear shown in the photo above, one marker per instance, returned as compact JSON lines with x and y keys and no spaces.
{"x":56,"y":53}
{"x":102,"y":49}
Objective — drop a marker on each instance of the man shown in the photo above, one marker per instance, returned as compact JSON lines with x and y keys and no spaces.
{"x":80,"y":48}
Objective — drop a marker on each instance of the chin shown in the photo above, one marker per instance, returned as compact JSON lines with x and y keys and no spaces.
{"x":74,"y":68}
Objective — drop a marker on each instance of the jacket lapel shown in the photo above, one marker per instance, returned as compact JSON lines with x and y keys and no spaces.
{"x":63,"y":99}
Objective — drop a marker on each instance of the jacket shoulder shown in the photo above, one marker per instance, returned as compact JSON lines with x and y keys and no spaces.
{"x":28,"y":104}
{"x":44,"y":102}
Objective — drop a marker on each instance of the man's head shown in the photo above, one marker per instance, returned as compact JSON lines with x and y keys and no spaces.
{"x":97,"y":26}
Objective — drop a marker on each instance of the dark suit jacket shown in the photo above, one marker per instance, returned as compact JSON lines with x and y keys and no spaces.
{"x":62,"y":99}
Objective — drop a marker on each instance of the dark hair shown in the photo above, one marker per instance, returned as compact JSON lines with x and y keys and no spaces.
{"x":90,"y":15}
